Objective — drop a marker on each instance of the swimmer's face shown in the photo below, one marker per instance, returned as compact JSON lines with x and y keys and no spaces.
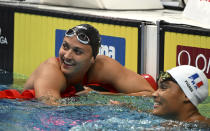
{"x":75,"y":57}
{"x":168,"y":99}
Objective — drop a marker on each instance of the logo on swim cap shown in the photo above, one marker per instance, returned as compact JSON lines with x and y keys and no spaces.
{"x":196,"y":81}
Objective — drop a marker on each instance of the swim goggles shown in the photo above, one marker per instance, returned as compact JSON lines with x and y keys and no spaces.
{"x":165,"y":76}
{"x":81,"y":37}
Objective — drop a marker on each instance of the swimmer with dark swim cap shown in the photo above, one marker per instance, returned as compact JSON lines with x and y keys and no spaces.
{"x":79,"y":64}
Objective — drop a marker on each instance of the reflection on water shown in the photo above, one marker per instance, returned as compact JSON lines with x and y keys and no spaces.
{"x":33,"y":115}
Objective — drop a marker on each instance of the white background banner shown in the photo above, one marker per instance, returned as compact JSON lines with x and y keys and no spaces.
{"x":198,"y":10}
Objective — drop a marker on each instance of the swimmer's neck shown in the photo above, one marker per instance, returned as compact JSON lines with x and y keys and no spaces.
{"x":187,"y":115}
{"x":190,"y":114}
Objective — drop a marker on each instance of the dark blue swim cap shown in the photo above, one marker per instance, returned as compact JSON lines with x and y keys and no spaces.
{"x":92,"y":34}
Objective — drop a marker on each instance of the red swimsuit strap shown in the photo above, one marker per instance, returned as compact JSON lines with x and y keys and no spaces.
{"x":57,"y":58}
{"x":71,"y":90}
{"x":98,"y":86}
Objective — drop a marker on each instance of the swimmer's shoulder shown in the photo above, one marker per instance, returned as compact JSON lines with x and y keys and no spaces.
{"x":48,"y":65}
{"x":103,"y":62}
{"x":104,"y":59}
{"x":103,"y":68}
{"x":52,"y":61}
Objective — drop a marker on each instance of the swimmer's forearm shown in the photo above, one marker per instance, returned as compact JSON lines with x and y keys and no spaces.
{"x":142,"y":93}
{"x":83,"y":104}
{"x":49,"y":100}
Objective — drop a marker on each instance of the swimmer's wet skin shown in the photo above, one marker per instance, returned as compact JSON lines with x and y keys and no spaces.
{"x":180,"y":90}
{"x":78,"y":63}
{"x":30,"y":93}
{"x":189,"y":86}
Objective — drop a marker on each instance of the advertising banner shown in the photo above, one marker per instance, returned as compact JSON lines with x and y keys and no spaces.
{"x":195,"y":56}
{"x":6,"y":45}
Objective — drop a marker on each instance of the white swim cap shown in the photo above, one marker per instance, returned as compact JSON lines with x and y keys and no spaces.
{"x":192,"y":81}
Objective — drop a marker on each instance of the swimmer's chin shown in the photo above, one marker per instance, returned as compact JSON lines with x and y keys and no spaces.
{"x":66,"y":70}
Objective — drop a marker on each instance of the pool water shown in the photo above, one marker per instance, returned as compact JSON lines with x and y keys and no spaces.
{"x":95,"y":113}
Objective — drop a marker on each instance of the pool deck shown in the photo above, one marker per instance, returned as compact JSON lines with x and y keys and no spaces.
{"x":172,"y":16}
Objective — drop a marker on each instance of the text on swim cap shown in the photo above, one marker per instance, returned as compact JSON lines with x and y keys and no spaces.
{"x":188,"y":85}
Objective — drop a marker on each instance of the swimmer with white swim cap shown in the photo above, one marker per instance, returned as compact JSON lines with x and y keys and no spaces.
{"x":180,"y":90}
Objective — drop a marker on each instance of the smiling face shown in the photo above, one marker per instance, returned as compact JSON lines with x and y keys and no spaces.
{"x":75,"y":57}
{"x":168,"y":99}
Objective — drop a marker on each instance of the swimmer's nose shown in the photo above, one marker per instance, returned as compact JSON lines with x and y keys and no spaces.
{"x":155,"y":94}
{"x":69,"y":54}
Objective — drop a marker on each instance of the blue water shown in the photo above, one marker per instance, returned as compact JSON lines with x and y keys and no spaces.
{"x":19,"y":115}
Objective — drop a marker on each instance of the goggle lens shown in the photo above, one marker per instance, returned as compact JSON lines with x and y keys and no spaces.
{"x":81,"y":37}
{"x":70,"y":33}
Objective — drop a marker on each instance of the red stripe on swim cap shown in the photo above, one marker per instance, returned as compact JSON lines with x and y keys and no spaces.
{"x":199,"y":84}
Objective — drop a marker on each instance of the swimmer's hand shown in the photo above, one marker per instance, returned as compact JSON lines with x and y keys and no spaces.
{"x":142,"y":93}
{"x":85,"y":91}
{"x":115,"y":102}
{"x":88,"y":90}
{"x":128,"y":105}
{"x":49,"y":100}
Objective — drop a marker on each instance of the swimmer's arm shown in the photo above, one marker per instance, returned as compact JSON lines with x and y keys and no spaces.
{"x":88,"y":90}
{"x":142,"y":93}
{"x":48,"y":83}
{"x":29,"y":84}
{"x":121,"y":78}
{"x":127,"y":105}
{"x":129,"y":82}
{"x":30,"y":81}
{"x":60,"y":104}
